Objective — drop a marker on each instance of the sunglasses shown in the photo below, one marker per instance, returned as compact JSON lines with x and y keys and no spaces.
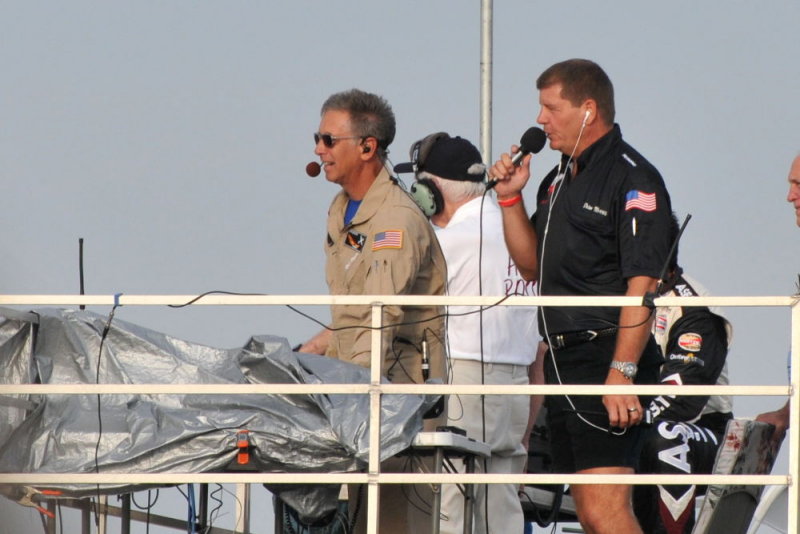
{"x":329,"y":140}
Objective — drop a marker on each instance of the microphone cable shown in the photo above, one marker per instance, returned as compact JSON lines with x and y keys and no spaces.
{"x":557,"y":184}
{"x":103,"y":337}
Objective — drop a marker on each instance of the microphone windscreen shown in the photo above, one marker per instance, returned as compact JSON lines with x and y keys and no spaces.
{"x":533,"y":140}
{"x":313,"y":169}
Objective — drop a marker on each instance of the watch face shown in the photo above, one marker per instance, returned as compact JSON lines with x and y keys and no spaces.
{"x":626,"y":368}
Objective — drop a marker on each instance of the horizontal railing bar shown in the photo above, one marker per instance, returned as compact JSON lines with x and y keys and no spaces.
{"x":180,"y":389}
{"x":408,"y":300}
{"x":44,"y":479}
{"x":387,"y":389}
{"x":540,"y":478}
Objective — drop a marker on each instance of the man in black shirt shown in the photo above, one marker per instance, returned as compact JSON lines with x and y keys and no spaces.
{"x":601,"y":227}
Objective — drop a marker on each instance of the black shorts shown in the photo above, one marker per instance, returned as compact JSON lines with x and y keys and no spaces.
{"x":580,"y":435}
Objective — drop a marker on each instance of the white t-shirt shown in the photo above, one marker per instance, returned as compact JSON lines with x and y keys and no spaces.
{"x":510,"y":334}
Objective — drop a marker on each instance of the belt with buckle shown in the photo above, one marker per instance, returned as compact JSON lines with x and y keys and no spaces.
{"x":570,"y":339}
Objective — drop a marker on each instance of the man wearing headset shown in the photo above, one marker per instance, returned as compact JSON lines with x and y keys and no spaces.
{"x":601,"y":227}
{"x":378,"y":243}
{"x":495,"y":346}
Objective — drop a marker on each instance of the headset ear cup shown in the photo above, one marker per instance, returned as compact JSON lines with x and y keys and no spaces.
{"x":427,"y":196}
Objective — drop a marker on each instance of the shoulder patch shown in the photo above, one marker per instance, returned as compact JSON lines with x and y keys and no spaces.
{"x":387,"y":239}
{"x":639,"y":200}
{"x":690,"y":342}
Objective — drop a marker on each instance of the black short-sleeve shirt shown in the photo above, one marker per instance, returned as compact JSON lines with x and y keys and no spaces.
{"x":609,"y":222}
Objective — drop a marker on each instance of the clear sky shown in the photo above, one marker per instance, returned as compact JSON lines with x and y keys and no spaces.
{"x":173,"y":137}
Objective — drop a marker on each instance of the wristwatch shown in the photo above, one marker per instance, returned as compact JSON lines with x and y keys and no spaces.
{"x":628,"y":369}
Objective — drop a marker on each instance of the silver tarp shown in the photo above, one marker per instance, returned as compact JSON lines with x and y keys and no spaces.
{"x":181,"y":433}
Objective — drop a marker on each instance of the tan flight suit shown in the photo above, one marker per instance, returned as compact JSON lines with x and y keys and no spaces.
{"x":389,"y":248}
{"x":408,"y":261}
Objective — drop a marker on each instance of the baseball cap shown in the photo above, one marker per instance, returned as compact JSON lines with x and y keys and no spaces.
{"x":451,"y":158}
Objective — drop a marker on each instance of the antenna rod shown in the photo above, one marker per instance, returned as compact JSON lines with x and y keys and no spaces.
{"x":80,"y":267}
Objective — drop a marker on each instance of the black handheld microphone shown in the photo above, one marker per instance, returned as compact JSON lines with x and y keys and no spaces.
{"x":532,"y":141}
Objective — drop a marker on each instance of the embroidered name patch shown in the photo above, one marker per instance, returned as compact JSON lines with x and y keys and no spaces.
{"x":639,"y":200}
{"x":388,"y":239}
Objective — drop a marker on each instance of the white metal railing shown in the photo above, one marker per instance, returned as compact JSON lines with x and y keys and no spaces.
{"x":375,"y":389}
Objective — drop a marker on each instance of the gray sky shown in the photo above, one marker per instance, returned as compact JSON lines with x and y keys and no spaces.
{"x":173,"y":137}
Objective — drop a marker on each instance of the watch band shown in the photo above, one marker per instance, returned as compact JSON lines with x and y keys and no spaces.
{"x":628,"y":369}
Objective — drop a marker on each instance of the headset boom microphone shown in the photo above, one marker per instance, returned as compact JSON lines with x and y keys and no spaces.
{"x":313,"y":169}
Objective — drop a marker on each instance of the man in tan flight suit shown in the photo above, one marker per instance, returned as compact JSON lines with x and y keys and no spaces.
{"x":378,"y":243}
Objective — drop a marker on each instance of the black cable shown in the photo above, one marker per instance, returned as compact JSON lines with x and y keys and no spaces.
{"x":146,"y":508}
{"x":342,"y":328}
{"x":357,"y":507}
{"x":215,"y":292}
{"x":418,"y":348}
{"x":149,"y":504}
{"x":43,"y":519}
{"x":103,"y":337}
{"x":212,"y":516}
{"x":555,"y":507}
{"x":185,"y":495}
{"x":483,"y":377}
{"x":397,"y":361}
{"x":60,"y":517}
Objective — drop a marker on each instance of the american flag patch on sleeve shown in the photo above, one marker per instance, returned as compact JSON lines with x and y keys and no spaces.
{"x":639,"y":200}
{"x":388,"y":239}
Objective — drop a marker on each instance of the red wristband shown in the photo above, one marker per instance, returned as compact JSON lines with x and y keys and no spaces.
{"x":507,"y":203}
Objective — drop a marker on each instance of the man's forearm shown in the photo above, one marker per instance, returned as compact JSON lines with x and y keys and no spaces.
{"x":634,"y":322}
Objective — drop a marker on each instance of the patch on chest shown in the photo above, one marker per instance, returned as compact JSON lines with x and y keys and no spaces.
{"x":387,"y":239}
{"x":355,"y":240}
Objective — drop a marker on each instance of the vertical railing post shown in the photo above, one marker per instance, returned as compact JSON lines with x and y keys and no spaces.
{"x":376,"y":364}
{"x":794,"y":417}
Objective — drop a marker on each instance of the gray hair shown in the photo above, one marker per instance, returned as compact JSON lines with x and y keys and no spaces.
{"x":455,"y":190}
{"x":370,"y":115}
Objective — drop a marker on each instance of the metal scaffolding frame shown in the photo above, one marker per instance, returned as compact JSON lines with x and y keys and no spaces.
{"x":374,"y":477}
